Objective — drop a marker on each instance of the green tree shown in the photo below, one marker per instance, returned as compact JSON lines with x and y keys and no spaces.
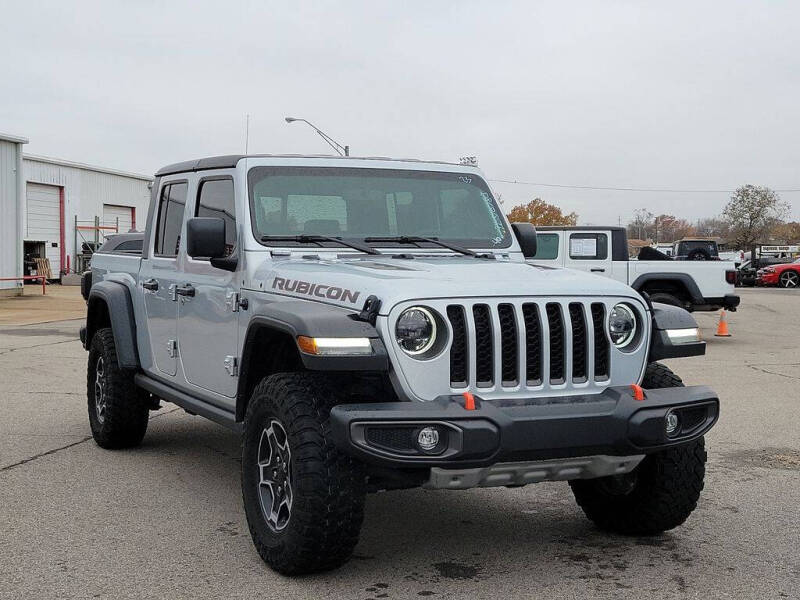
{"x":752,"y":213}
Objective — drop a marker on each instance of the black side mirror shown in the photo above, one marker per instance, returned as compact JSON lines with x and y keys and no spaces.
{"x":526,"y":236}
{"x":205,"y":237}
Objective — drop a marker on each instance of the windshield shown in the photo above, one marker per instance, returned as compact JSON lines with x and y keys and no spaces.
{"x":368,"y":203}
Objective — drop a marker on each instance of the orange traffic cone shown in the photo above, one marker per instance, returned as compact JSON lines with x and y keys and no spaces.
{"x":722,"y":328}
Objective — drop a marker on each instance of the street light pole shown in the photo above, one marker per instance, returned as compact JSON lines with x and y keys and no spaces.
{"x":340,"y":150}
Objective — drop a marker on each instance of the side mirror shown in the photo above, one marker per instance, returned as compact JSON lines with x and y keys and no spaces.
{"x":205,"y":237}
{"x":526,"y":236}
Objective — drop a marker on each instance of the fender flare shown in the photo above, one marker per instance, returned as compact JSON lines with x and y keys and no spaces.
{"x":312,"y":319}
{"x":683,"y":278}
{"x":666,"y":317}
{"x":117,"y":299}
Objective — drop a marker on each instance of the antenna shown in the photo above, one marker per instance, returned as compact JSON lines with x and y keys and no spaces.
{"x":247,"y":133}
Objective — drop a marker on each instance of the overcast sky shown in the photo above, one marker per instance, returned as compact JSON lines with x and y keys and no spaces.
{"x":683,"y":95}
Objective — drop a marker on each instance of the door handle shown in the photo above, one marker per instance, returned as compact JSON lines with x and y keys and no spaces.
{"x":185,"y":290}
{"x":598,"y":270}
{"x":150,"y":284}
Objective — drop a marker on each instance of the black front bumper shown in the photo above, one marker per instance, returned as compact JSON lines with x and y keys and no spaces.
{"x":610,"y":423}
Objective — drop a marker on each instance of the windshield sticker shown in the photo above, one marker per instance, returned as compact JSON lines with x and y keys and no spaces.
{"x":317,"y":290}
{"x":583,"y":247}
{"x":465,"y":179}
{"x":499,"y":225}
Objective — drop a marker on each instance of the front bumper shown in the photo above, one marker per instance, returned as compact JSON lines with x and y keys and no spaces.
{"x":767,"y":279}
{"x":611,"y":423}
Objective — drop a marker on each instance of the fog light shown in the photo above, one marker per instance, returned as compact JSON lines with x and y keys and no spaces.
{"x":672,"y":423}
{"x":428,"y":438}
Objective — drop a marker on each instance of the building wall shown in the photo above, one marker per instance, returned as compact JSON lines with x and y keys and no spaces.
{"x":10,"y":261}
{"x":86,"y":190}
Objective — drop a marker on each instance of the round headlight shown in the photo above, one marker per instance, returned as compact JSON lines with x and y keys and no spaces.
{"x":415,"y":330}
{"x":622,"y":325}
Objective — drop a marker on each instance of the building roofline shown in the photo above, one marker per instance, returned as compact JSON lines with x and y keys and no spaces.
{"x":76,"y":165}
{"x":230,"y":161}
{"x":7,"y":137}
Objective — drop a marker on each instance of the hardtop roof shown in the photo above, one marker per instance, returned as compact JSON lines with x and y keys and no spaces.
{"x":229,"y":161}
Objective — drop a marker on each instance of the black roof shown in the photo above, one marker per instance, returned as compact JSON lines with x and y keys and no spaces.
{"x":578,"y":227}
{"x":229,"y":161}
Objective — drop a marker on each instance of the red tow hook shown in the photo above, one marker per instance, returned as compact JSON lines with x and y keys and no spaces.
{"x":469,"y":401}
{"x":638,"y":392}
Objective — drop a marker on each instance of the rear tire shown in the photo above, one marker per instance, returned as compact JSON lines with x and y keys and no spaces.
{"x":305,"y":507}
{"x":657,"y":495}
{"x":118,"y":411}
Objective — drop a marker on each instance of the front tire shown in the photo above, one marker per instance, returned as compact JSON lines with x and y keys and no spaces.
{"x":657,"y":495}
{"x":303,"y":498}
{"x":790,"y":279}
{"x":118,"y":413}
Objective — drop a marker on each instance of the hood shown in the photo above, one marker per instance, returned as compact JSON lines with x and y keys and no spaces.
{"x":350,"y":281}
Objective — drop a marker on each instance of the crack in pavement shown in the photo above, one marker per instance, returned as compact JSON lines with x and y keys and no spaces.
{"x":10,"y":350}
{"x":768,"y":372}
{"x":66,"y":447}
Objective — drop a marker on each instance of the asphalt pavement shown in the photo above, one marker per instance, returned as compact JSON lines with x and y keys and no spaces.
{"x":166,"y":520}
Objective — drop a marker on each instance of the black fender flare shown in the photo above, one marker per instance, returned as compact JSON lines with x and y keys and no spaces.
{"x":666,"y":316}
{"x":313,"y":319}
{"x":117,"y":299}
{"x":683,"y":278}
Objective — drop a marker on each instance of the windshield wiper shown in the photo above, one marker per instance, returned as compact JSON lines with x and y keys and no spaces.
{"x":414,"y":239}
{"x":317,"y":239}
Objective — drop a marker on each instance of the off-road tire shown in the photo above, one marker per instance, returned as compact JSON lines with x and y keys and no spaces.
{"x":126,"y":412}
{"x":659,"y":494}
{"x":328,"y":487}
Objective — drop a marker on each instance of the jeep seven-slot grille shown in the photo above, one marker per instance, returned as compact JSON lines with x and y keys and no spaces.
{"x":507,"y":341}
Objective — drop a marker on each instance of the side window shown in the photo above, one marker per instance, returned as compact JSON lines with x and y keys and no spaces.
{"x":546,"y":246}
{"x":216,"y":199}
{"x":588,"y":246}
{"x":171,"y":204}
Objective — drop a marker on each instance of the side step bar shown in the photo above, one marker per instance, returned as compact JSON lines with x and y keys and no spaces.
{"x":189,"y":403}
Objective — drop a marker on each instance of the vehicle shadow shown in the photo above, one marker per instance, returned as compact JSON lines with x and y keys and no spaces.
{"x":426,"y":537}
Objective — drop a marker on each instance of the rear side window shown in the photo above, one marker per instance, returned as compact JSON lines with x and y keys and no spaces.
{"x":216,"y":199}
{"x":130,"y":246}
{"x":588,"y":246}
{"x":171,"y":205}
{"x":546,"y":246}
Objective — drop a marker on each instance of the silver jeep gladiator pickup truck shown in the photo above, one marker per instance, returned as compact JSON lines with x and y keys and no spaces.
{"x":371,"y":324}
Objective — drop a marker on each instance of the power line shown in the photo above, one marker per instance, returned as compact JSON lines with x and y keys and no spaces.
{"x":623,"y":189}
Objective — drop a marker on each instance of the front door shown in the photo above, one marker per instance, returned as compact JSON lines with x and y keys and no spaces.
{"x":158,"y":277}
{"x":207,"y":316}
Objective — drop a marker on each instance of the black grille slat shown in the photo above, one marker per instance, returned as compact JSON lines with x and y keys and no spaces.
{"x":601,"y":343}
{"x":579,"y":354}
{"x":533,"y":344}
{"x":484,"y":342}
{"x":508,"y":344}
{"x":459,"y":356}
{"x":555,"y":320}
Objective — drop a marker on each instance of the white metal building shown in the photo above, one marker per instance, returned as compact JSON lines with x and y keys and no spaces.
{"x":12,"y":189}
{"x":57,"y":206}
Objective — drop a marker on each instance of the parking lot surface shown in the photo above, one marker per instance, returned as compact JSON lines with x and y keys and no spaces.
{"x":166,"y":520}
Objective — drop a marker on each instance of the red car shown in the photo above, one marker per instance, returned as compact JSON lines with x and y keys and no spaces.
{"x":787,"y":275}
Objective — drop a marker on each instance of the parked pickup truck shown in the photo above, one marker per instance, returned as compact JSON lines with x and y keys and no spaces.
{"x":371,"y":324}
{"x":693,"y":285}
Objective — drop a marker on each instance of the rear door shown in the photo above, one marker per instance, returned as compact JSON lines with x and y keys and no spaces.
{"x":589,"y":251}
{"x":207,"y":317}
{"x":158,"y":275}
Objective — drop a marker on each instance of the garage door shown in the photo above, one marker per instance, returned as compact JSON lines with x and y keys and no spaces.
{"x":112,"y":212}
{"x":43,"y":220}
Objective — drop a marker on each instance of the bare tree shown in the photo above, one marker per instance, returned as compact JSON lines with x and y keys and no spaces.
{"x":752,"y":213}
